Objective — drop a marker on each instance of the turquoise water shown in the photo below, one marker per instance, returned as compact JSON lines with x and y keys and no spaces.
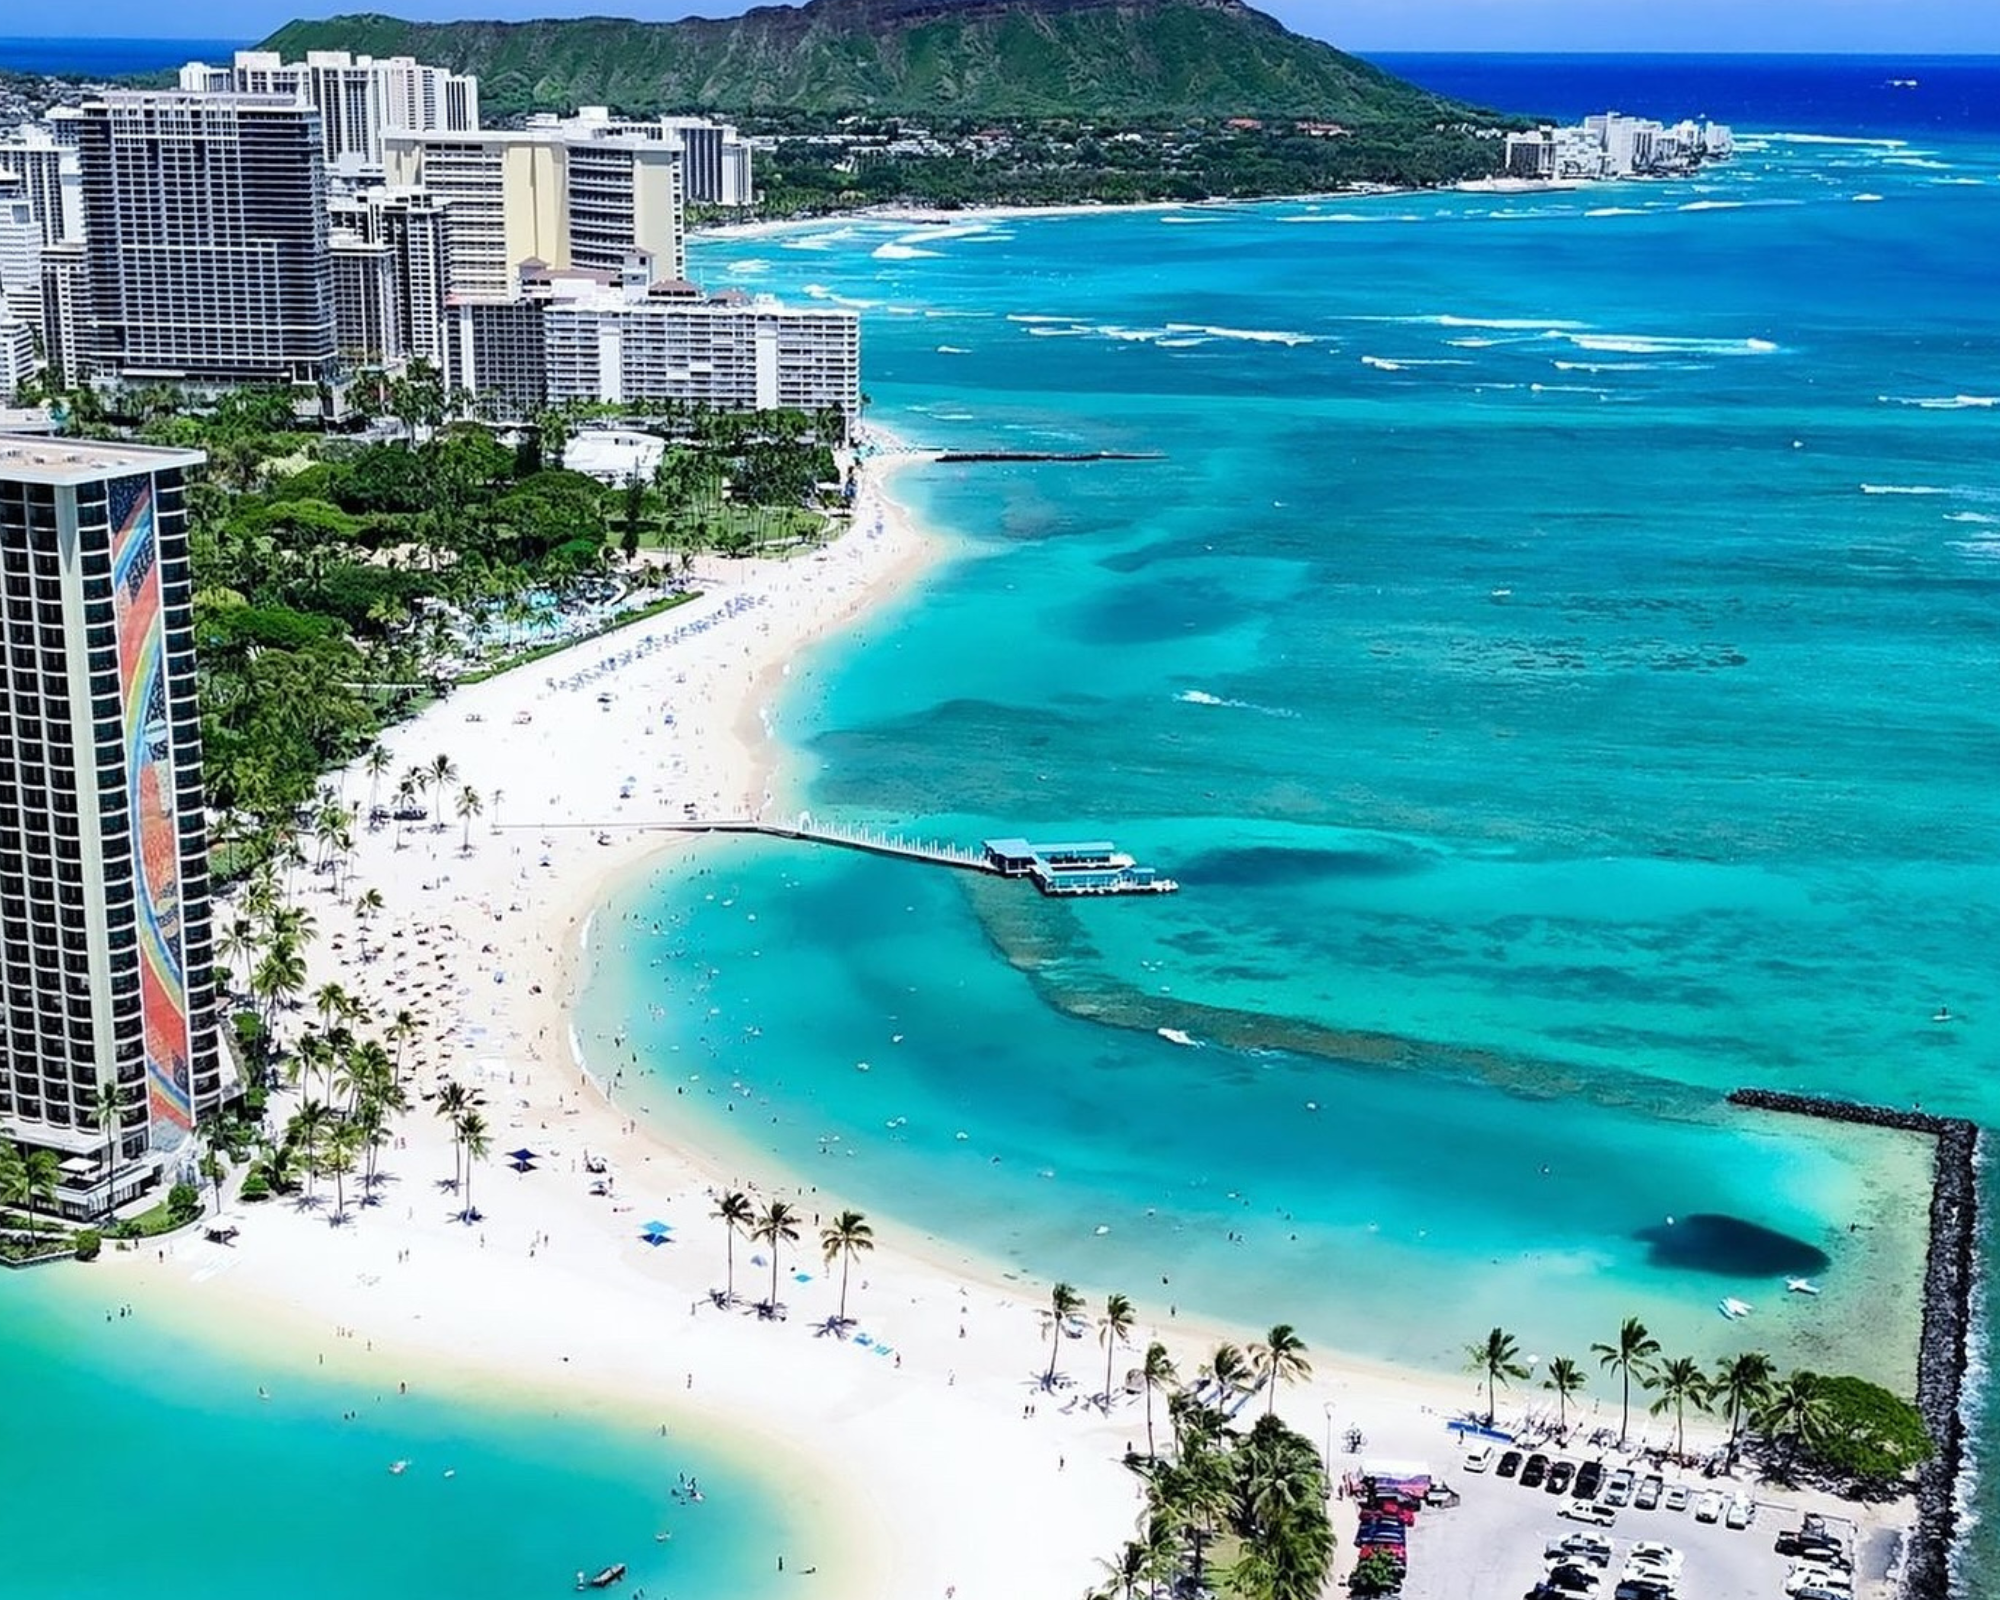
{"x":1555,"y":654}
{"x":139,"y":1461}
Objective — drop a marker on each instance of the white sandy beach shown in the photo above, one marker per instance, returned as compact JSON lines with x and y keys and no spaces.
{"x":923,"y":1459}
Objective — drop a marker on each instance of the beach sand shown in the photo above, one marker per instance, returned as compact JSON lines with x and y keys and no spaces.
{"x":938,"y":1466}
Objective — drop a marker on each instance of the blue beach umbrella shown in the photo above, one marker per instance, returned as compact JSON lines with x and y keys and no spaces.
{"x":657,"y":1226}
{"x":523,"y":1154}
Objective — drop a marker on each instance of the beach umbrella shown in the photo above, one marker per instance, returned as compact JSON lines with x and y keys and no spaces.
{"x":655,"y":1239}
{"x":656,"y":1226}
{"x":522,"y":1155}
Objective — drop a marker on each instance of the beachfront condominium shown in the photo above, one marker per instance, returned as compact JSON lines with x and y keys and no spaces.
{"x":715,"y":158}
{"x":105,"y":950}
{"x":205,"y":240}
{"x":576,"y":336}
{"x":553,"y":194}
{"x":390,"y":265}
{"x":359,"y":98}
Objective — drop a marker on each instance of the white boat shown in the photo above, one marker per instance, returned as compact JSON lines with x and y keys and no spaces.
{"x":1176,"y":1036}
{"x":1801,"y":1286}
{"x":1733,"y":1308}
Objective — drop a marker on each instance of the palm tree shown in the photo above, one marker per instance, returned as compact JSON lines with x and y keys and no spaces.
{"x":13,"y":1175}
{"x":1565,"y":1378}
{"x":468,"y":807}
{"x":343,"y":1142}
{"x":847,"y":1234}
{"x":408,"y":787}
{"x":1794,"y":1414}
{"x":376,"y":764}
{"x":1159,"y":1373}
{"x":478,"y":1144}
{"x":1228,"y":1371}
{"x":1634,"y":1352}
{"x":779,"y":1225}
{"x":1281,"y":1358}
{"x":402,"y":1029}
{"x":1744,"y":1381}
{"x":333,"y":1003}
{"x":368,"y":904}
{"x":1679,"y":1381}
{"x":452,"y":1104}
{"x":1064,"y":1303}
{"x":1498,"y":1357}
{"x":733,"y":1211}
{"x":307,"y":1131}
{"x":44,"y":1174}
{"x":107,"y":1110}
{"x":1113,"y":1329}
{"x":441,"y":773}
{"x":238,"y":943}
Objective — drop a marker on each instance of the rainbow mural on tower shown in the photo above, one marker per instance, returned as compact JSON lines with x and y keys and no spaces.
{"x":149,"y":778}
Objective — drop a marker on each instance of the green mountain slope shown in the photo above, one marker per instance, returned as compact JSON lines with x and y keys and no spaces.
{"x":972,"y":58}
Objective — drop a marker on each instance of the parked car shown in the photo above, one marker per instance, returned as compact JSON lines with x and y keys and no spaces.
{"x":1479,"y":1460}
{"x":1559,"y":1477}
{"x":1534,"y":1472}
{"x":1677,"y":1497}
{"x":1742,"y":1511}
{"x":1709,"y":1507}
{"x":1580,"y":1547}
{"x":1510,"y":1464}
{"x":1664,"y":1556}
{"x":1589,"y":1479}
{"x":1567,"y":1578}
{"x":1641,"y":1589}
{"x":1651,"y":1488}
{"x":1592,"y":1511}
{"x":1805,"y":1575}
{"x":1618,"y":1491}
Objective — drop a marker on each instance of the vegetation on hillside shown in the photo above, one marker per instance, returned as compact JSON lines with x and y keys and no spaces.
{"x":976,"y":58}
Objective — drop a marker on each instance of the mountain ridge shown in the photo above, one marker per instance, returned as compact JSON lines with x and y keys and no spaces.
{"x":964,"y":58}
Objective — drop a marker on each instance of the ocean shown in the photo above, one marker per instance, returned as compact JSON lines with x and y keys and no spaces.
{"x":110,"y":58}
{"x":1553,"y":649}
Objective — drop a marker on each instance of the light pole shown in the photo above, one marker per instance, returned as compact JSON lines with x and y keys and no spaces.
{"x":1327,"y":1407}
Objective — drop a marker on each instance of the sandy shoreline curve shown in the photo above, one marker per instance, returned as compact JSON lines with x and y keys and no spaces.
{"x":934,"y":1462}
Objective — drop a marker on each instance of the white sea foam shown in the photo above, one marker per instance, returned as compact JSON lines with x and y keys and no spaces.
{"x":1340,"y":216}
{"x":1568,"y":388}
{"x":1505,"y":324}
{"x":1044,"y":331}
{"x":1616,"y":211}
{"x":1382,"y":363}
{"x":1866,"y":199}
{"x":1188,"y":222}
{"x":1835,"y":138}
{"x":1032,"y":316}
{"x":952,"y":350}
{"x":1714,"y":205}
{"x":1902,"y":488}
{"x":748,"y":268}
{"x":1184,"y":342}
{"x":1980,"y":518}
{"x":1251,"y":335}
{"x":900,"y":252}
{"x":1639,"y":344}
{"x":1960,"y":183}
{"x":1942,"y":402}
{"x":1978,"y":549}
{"x":1605,"y":366}
{"x":1918,"y":162}
{"x":1201,"y":697}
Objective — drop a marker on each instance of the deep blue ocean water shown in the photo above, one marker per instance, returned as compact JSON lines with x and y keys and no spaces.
{"x":1555,"y":652}
{"x":110,"y":58}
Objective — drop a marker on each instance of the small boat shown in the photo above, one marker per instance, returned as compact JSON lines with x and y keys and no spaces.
{"x":399,"y":1467}
{"x":605,"y":1578}
{"x":1733,"y":1308}
{"x":1801,"y":1286}
{"x":1176,"y":1036}
{"x":1942,"y":1014}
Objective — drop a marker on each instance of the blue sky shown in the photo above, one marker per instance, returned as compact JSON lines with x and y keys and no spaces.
{"x":1882,"y":26}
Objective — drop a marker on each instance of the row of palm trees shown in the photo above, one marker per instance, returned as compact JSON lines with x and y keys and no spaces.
{"x":28,"y":1178}
{"x":434,"y":779}
{"x":1745,"y":1386}
{"x":1239,"y":1514}
{"x":777,"y":1225}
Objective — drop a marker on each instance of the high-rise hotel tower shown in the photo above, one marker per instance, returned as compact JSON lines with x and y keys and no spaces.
{"x":105,"y":949}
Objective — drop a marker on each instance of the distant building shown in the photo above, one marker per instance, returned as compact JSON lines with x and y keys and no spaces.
{"x":106,"y":957}
{"x":577,"y":336}
{"x":205,"y":240}
{"x":65,"y":308}
{"x":19,"y":360}
{"x":1609,"y":145}
{"x":20,"y":254}
{"x":391,"y":267}
{"x":359,"y":98}
{"x":50,"y":179}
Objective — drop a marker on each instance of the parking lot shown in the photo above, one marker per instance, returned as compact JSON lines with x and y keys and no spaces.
{"x":1491,"y":1545}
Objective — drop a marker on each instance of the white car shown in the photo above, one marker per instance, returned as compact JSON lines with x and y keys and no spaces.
{"x":1651,"y":1572}
{"x":1656,"y":1554}
{"x":1479,"y":1460}
{"x":1807,"y":1575}
{"x":1593,"y":1511}
{"x":1709,"y":1507}
{"x":1677,"y":1497}
{"x":1741,"y":1511}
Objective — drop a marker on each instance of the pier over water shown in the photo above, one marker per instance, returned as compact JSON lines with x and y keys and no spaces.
{"x":1060,"y":870}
